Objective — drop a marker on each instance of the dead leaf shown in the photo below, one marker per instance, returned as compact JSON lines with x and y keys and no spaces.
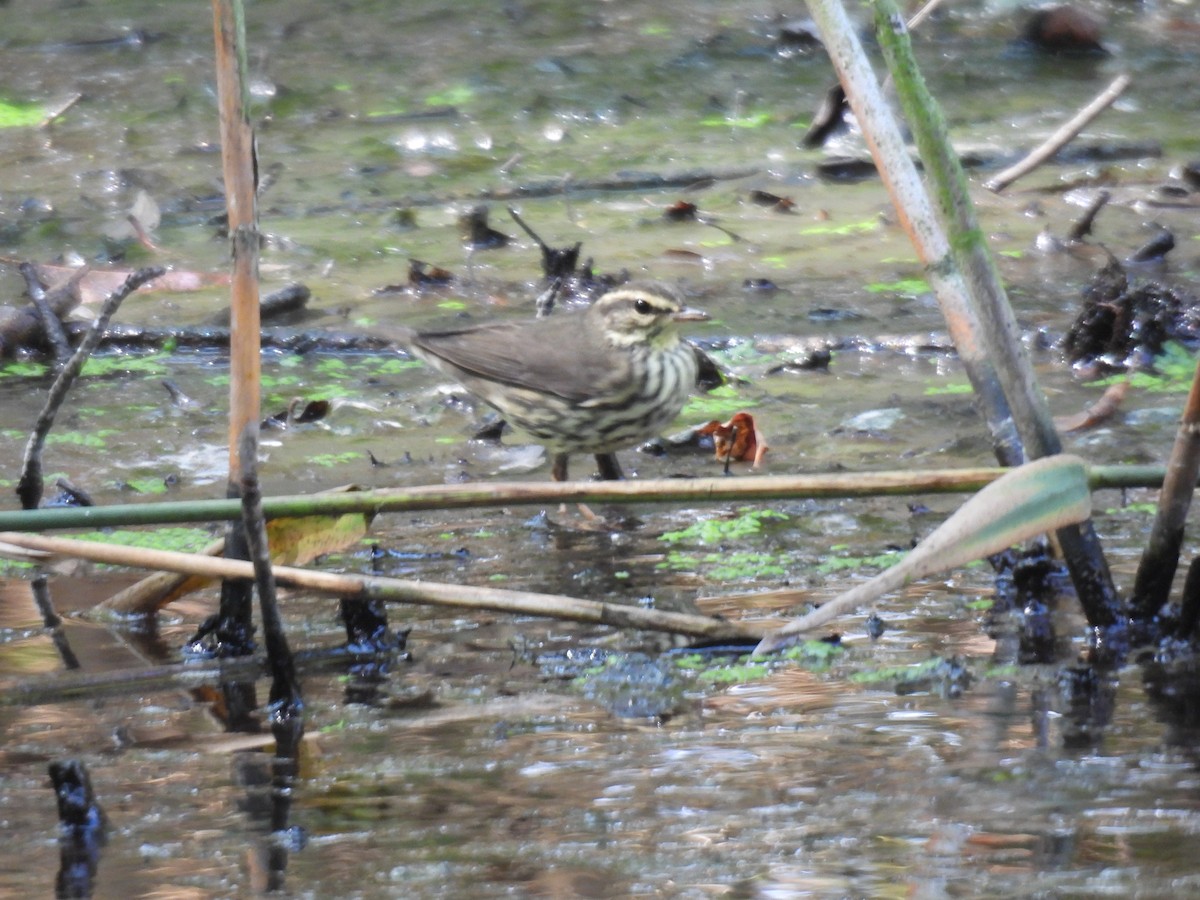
{"x":97,"y":284}
{"x":738,"y":439}
{"x":681,"y":255}
{"x":298,"y":413}
{"x":293,"y":541}
{"x":680,"y":211}
{"x":424,"y":275}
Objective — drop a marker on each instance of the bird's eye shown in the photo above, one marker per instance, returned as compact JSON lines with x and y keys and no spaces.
{"x":642,"y":307}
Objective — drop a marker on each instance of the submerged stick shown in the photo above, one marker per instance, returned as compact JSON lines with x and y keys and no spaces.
{"x":51,"y":324}
{"x":421,"y":592}
{"x":62,"y":687}
{"x":286,"y":700}
{"x":58,"y":110}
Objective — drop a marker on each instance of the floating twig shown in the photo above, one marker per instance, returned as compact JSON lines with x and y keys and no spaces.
{"x":57,"y":111}
{"x":428,"y":593}
{"x":1061,"y":137}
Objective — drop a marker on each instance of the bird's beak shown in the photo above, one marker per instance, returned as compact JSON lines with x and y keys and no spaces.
{"x":689,"y":314}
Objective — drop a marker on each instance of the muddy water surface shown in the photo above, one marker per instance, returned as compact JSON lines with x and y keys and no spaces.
{"x":487,"y":766}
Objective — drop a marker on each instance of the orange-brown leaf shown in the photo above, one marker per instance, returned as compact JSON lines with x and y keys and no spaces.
{"x":738,"y":439}
{"x":97,"y":284}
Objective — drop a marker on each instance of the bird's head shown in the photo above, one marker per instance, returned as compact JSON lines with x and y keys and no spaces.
{"x":642,"y":313}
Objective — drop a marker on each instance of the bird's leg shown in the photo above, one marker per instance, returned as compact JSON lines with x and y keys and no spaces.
{"x":558,"y":467}
{"x":558,"y":471}
{"x":610,"y":470}
{"x":609,"y":466}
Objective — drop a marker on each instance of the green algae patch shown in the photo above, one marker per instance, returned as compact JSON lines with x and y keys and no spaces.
{"x":726,"y":566}
{"x":21,"y":115}
{"x":712,"y":531}
{"x":1172,"y":373}
{"x":720,"y":669}
{"x":719,"y":403}
{"x":184,"y":540}
{"x":950,"y":388}
{"x":909,"y":287}
{"x":947,"y":677}
{"x":844,"y":563}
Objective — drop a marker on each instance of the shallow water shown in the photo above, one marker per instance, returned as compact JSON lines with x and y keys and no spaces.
{"x":482,"y":769}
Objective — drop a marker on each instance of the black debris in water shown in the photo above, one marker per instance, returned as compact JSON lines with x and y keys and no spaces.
{"x":82,"y":828}
{"x":1122,"y":325}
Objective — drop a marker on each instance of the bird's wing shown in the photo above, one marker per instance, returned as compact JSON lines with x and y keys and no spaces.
{"x":544,"y":355}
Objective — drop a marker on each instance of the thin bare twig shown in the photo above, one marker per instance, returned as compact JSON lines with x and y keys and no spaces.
{"x":923,"y":13}
{"x":56,"y":112}
{"x":1083,"y":227}
{"x":29,"y":488}
{"x":1061,"y":137}
{"x":25,"y":328}
{"x":51,"y":620}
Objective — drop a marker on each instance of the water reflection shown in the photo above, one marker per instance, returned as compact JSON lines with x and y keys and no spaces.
{"x":803,"y":781}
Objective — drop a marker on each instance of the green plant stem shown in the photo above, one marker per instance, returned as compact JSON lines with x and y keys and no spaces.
{"x":918,"y":218}
{"x":991,"y":314}
{"x":999,"y":331}
{"x":499,"y":493}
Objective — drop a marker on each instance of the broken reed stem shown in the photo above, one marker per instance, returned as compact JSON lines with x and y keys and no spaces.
{"x":420,"y":592}
{"x":1156,"y":571}
{"x":500,"y":493}
{"x":240,"y":176}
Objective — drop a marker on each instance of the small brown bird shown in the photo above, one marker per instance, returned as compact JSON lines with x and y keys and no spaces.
{"x":592,"y":382}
